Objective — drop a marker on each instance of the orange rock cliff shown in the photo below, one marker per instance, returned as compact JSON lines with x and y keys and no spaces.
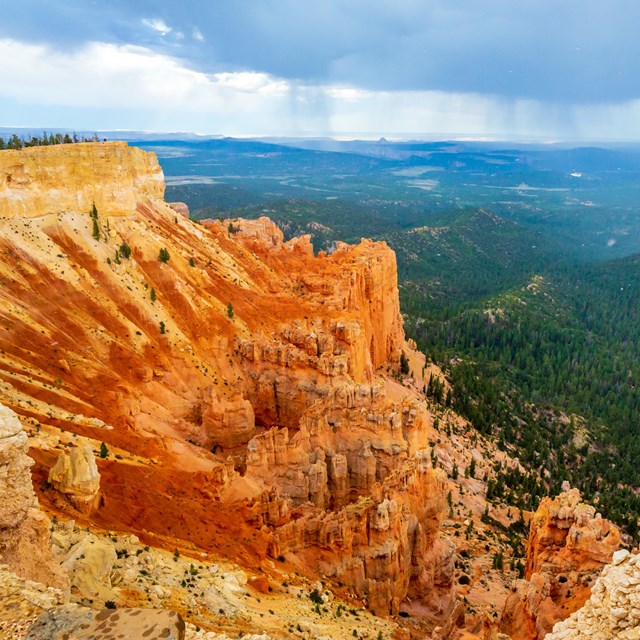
{"x":235,"y":383}
{"x":569,"y":544}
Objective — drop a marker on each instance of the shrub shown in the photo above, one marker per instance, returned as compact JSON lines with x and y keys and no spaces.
{"x":163,"y":255}
{"x":315,"y":596}
{"x":125,"y":250}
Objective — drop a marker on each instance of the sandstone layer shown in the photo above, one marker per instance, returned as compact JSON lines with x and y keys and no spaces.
{"x":233,"y":376}
{"x":79,"y":623}
{"x":569,"y":544}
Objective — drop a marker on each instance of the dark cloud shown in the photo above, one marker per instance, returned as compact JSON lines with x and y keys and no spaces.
{"x":566,"y":51}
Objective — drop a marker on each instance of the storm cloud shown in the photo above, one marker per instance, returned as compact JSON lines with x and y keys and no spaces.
{"x":510,"y":61}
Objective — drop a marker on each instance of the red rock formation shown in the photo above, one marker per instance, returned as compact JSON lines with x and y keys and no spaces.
{"x":234,"y":384}
{"x":569,"y":543}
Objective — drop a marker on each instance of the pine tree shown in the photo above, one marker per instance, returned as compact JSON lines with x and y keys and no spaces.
{"x":230,"y":313}
{"x":104,"y":452}
{"x":152,"y":295}
{"x":163,"y":255}
{"x":404,"y":364}
{"x":162,"y":327}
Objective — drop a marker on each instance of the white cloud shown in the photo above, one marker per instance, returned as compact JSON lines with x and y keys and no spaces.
{"x":197,"y":34}
{"x":157,"y":25}
{"x":130,"y":86}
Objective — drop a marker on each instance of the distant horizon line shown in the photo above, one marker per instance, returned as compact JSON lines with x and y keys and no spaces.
{"x":335,"y":137}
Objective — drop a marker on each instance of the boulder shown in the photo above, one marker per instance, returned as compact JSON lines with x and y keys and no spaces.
{"x":76,"y":475}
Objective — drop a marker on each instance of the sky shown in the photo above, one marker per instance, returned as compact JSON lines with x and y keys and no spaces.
{"x":488,"y":69}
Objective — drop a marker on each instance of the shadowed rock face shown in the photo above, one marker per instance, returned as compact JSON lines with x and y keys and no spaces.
{"x":569,"y":544}
{"x":81,"y":623}
{"x":235,"y":382}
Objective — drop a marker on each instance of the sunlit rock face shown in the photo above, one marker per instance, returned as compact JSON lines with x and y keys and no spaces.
{"x":55,"y":179}
{"x":233,"y":377}
{"x":613,"y":610}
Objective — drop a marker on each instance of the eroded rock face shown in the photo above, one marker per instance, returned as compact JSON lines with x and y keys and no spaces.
{"x":76,"y":475}
{"x":41,"y":180}
{"x":613,"y":610}
{"x":237,"y":379}
{"x":355,"y":500}
{"x":24,"y":529}
{"x":569,"y":543}
{"x":90,"y":563}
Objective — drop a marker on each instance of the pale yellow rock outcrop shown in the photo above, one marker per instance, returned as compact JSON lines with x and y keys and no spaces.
{"x":613,"y":611}
{"x":24,"y":529}
{"x":76,"y":475}
{"x":71,"y":177}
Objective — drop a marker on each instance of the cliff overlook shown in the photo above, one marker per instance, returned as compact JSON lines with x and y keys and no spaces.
{"x":231,"y":376}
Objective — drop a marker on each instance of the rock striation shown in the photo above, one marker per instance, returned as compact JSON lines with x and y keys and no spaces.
{"x":613,"y":610}
{"x":569,"y":544}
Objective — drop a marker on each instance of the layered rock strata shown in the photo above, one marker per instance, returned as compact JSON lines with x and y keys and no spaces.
{"x":38,"y":181}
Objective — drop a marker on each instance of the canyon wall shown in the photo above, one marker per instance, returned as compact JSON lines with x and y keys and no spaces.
{"x":229,"y":387}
